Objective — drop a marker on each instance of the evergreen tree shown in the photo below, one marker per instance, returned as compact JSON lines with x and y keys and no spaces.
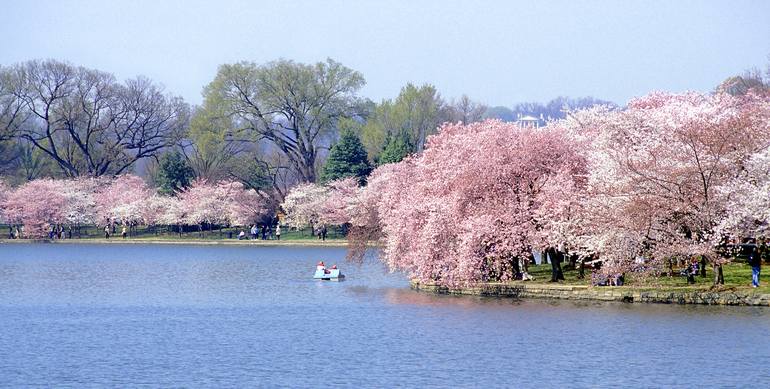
{"x":347,"y":158}
{"x":396,"y":148}
{"x":174,"y":174}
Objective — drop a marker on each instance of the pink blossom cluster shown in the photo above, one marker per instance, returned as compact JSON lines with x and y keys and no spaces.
{"x":471,"y":204}
{"x":40,"y":204}
{"x":669,"y":176}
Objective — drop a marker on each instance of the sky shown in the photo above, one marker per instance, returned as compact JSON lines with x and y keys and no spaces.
{"x":496,"y":52}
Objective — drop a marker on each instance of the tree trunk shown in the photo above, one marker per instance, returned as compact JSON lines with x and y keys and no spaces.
{"x":556,"y":259}
{"x":527,"y":261}
{"x":559,"y":272}
{"x":719,"y":278}
{"x":703,"y":266}
{"x":573,"y":261}
{"x":515,"y":267}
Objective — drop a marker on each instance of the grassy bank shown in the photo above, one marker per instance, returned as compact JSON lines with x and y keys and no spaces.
{"x":667,"y":290}
{"x":309,"y":242}
{"x":737,"y":277}
{"x":226,"y":236}
{"x":92,"y":234}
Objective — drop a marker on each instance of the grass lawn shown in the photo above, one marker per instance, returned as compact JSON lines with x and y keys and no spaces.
{"x":737,"y":276}
{"x":191,"y":234}
{"x":216,"y":235}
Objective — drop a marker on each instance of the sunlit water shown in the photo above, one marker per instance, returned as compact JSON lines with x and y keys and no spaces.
{"x":187,"y":316}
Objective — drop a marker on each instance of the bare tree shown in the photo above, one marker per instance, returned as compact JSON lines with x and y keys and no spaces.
{"x":11,"y":108}
{"x":465,"y":111}
{"x":88,"y":123}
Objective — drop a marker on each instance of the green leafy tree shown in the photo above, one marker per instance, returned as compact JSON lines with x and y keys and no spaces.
{"x":347,"y":158}
{"x":396,"y":148}
{"x":417,"y":110}
{"x":291,"y":105}
{"x":213,"y":146}
{"x":174,"y":174}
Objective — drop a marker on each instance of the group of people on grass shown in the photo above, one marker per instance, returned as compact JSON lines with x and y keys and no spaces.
{"x":263,"y":232}
{"x":107,"y":234}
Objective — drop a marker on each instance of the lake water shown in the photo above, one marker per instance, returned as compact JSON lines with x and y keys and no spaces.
{"x":227,"y":316}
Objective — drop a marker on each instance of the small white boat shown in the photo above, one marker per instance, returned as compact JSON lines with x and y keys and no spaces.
{"x":329,"y":275}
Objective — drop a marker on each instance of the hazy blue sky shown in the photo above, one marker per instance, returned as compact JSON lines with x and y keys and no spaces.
{"x":498,"y":52}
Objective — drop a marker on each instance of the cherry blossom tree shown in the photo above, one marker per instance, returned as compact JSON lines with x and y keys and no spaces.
{"x":202,"y":205}
{"x":127,"y":200}
{"x":465,"y":210}
{"x":747,"y":197}
{"x":37,"y":205}
{"x":122,"y":200}
{"x":303,"y":205}
{"x":80,"y":209}
{"x":159,"y":210}
{"x":166,"y":211}
{"x":655,"y":168}
{"x":244,"y":206}
{"x":226,"y":202}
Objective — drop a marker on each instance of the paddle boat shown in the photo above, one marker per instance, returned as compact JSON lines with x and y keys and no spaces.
{"x":328,"y":274}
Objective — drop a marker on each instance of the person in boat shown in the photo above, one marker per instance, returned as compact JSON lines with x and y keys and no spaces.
{"x":320,"y":266}
{"x":334,"y":267}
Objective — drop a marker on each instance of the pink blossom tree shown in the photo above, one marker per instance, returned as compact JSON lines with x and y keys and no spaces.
{"x":122,"y":200}
{"x":303,"y":205}
{"x":38,"y":205}
{"x":244,"y":206}
{"x":223,"y":203}
{"x":747,"y":199}
{"x":655,"y":168}
{"x":469,"y":206}
{"x":202,"y":204}
{"x":170,"y":212}
{"x":80,"y":209}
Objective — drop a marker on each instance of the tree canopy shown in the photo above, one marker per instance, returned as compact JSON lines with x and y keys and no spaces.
{"x":86,"y":121}
{"x":174,"y":174}
{"x":293,"y":106}
{"x":347,"y":158}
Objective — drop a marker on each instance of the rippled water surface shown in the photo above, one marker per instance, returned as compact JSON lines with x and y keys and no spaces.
{"x":226,"y":316}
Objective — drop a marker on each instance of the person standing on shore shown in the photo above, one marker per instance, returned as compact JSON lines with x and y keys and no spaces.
{"x":107,"y":232}
{"x":755,"y":261}
{"x":278,"y":232}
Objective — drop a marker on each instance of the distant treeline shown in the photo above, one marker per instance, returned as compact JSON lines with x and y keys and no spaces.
{"x":269,"y":126}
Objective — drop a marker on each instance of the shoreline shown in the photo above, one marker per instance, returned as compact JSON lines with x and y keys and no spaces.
{"x":196,"y":242}
{"x":624,"y":294}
